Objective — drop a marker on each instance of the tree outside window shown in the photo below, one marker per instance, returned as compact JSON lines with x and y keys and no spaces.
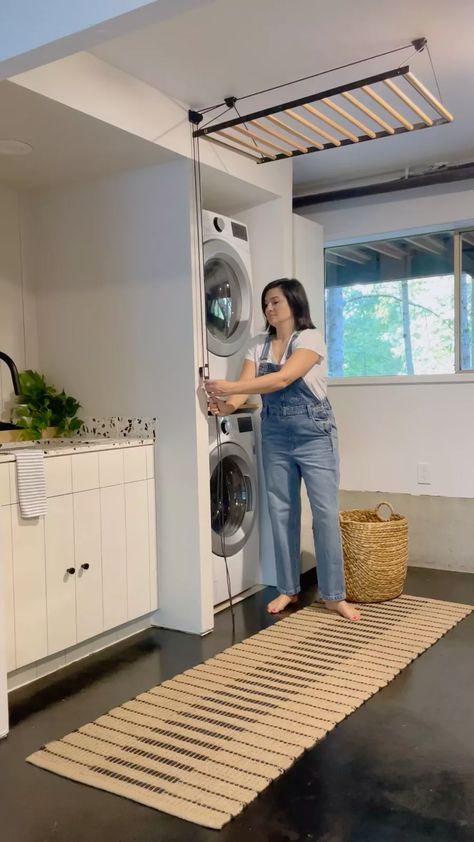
{"x":391,"y":310}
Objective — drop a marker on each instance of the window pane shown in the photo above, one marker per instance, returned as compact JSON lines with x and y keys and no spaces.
{"x":390,"y":307}
{"x":467,"y":302}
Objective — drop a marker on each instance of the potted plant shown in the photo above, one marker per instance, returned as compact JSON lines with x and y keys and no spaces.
{"x":42,"y":411}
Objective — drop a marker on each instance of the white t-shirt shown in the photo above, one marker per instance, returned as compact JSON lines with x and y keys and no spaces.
{"x":309,"y":340}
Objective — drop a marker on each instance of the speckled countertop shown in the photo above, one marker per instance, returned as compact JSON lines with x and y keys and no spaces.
{"x":66,"y":447}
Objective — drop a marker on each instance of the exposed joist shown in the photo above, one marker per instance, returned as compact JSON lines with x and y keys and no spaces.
{"x":388,"y":250}
{"x":428,"y":244}
{"x":331,"y":258}
{"x":353,"y":255}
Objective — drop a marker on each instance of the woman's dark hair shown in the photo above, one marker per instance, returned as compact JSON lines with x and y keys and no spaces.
{"x":295,"y":294}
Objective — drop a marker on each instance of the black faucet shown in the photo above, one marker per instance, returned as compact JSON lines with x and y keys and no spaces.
{"x":13,"y":371}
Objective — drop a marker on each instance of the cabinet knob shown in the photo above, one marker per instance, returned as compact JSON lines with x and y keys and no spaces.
{"x":71,"y":570}
{"x":85,"y":566}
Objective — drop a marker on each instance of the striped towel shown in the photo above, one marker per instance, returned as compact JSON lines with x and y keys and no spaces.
{"x":31,"y":483}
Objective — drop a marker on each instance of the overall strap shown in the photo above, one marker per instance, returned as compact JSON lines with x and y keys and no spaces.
{"x":293,"y":339}
{"x":266,"y":349}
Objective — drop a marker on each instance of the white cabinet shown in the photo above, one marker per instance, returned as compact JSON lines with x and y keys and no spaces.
{"x":87,"y":544}
{"x":6,"y":579}
{"x":73,"y":569}
{"x":5,"y":484}
{"x":85,"y":472}
{"x":60,"y":573}
{"x":111,"y":468}
{"x":138,"y":553}
{"x":29,"y":587}
{"x":90,"y":564}
{"x":58,"y":475}
{"x":114,"y":555}
{"x":152,"y":541}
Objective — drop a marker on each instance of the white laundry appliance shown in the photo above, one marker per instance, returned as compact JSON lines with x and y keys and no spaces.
{"x":228,"y":293}
{"x":235,"y":522}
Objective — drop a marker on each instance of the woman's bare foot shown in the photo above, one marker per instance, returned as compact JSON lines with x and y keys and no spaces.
{"x":276,"y":606}
{"x":343,"y":608}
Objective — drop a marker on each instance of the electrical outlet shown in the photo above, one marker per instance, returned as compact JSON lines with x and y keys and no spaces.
{"x":423,"y":473}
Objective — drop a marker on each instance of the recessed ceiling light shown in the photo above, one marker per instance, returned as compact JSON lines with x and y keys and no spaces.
{"x":14,"y":147}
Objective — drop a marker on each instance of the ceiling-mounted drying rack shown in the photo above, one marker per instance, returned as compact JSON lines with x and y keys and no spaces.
{"x":390,"y":103}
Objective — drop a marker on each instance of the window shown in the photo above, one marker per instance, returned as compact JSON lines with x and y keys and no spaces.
{"x":466,"y":302}
{"x":402,"y":306}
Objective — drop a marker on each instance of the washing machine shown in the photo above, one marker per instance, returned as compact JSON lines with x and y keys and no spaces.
{"x":228,"y":293}
{"x":234,"y":504}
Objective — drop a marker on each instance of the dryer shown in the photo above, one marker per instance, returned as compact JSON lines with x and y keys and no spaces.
{"x":228,"y":293}
{"x":235,"y":523}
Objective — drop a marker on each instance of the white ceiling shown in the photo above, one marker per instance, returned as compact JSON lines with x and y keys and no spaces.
{"x":67,"y":145}
{"x":234,"y":48}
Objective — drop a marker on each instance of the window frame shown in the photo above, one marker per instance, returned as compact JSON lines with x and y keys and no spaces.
{"x":459,"y":375}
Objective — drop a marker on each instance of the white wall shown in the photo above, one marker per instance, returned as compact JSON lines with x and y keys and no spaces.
{"x":17,"y":304}
{"x":385,"y":430}
{"x":393,"y":213}
{"x":308,"y":267}
{"x":308,"y":264}
{"x":271,"y":250}
{"x":93,"y":86}
{"x":113,"y":263}
{"x":271,"y":245}
{"x":57,"y":28}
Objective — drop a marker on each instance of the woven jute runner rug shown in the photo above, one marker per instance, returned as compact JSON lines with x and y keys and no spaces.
{"x":204,"y":744}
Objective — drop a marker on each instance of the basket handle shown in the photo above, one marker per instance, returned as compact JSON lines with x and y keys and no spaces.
{"x":384,"y":503}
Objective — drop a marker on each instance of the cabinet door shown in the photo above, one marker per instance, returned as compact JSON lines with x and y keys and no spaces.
{"x":29,"y":582}
{"x":89,"y":613}
{"x":153,"y":547}
{"x":60,"y":573}
{"x":138,"y":555}
{"x":114,"y":555}
{"x":57,"y":471}
{"x":6,"y":581}
{"x":5,"y":499}
{"x":85,"y":471}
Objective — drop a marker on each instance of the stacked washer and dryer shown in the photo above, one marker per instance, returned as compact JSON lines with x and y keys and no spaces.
{"x":232,"y":442}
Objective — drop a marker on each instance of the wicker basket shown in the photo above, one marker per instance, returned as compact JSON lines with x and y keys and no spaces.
{"x":375,"y":554}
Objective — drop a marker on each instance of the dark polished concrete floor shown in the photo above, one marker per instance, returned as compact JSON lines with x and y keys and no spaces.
{"x":399,"y":768}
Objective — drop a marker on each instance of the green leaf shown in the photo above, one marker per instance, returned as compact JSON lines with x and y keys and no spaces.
{"x":42,"y":406}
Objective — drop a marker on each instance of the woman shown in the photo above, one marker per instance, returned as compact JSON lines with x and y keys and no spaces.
{"x":287,"y":366}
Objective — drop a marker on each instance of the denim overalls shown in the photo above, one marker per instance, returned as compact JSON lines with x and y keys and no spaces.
{"x":299,"y":440}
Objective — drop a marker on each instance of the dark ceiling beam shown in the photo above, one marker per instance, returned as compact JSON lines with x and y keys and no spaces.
{"x":458,"y":172}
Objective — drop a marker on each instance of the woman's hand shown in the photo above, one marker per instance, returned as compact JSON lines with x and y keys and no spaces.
{"x":220,"y":408}
{"x":219,"y":388}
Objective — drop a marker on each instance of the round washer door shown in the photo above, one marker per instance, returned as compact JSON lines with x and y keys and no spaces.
{"x":228,"y":298}
{"x":233,"y":498}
